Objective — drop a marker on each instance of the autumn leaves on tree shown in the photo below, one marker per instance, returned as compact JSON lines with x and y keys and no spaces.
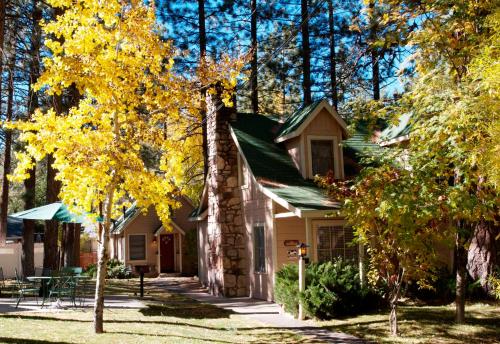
{"x":131,"y":102}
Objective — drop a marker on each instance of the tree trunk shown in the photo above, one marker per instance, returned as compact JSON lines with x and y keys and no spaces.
{"x":101,"y":276}
{"x":70,"y":245}
{"x":3,"y":229}
{"x":4,"y":203}
{"x":333,"y":58}
{"x":306,"y":53}
{"x":76,"y":244}
{"x":393,"y":319}
{"x":64,"y":239}
{"x":253,"y":76}
{"x":203,"y":106}
{"x":103,"y":257}
{"x":374,"y":52}
{"x":28,"y":257}
{"x":482,"y":253}
{"x":51,"y":227}
{"x":461,"y":283}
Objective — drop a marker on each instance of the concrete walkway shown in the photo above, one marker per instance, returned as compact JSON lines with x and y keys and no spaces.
{"x":266,"y":312}
{"x":8,"y":305}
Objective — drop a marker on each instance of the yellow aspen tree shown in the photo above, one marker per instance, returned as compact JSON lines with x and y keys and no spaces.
{"x":133,"y":104}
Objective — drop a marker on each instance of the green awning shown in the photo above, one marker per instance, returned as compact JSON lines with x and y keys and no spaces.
{"x":54,"y":211}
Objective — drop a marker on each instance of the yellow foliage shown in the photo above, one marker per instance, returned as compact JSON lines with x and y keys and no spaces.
{"x":132,"y":102}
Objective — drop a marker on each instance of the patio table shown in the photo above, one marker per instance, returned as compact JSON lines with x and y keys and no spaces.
{"x":44,"y":281}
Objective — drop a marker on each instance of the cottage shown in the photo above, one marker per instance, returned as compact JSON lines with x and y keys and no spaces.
{"x":259,"y":200}
{"x":139,"y":238}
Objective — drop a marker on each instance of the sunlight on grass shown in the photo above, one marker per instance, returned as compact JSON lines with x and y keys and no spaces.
{"x":167,"y":318}
{"x":425,"y":324}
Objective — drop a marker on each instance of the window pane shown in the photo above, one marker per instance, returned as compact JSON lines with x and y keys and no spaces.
{"x":336,"y":241}
{"x":137,"y":247}
{"x":322,"y":156}
{"x":259,"y":249}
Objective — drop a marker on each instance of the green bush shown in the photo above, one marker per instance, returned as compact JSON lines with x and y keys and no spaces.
{"x":286,"y":290}
{"x":333,"y":289}
{"x":115,"y":269}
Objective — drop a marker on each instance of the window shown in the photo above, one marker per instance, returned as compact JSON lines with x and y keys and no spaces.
{"x":259,"y":248}
{"x":321,"y":157}
{"x":137,"y":247}
{"x":336,"y":241}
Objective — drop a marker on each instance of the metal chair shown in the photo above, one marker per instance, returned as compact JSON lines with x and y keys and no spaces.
{"x":62,"y":286}
{"x":25,"y":288}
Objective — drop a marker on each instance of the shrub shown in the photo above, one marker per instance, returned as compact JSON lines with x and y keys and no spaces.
{"x":115,"y":269}
{"x":286,"y":289}
{"x":333,"y":289}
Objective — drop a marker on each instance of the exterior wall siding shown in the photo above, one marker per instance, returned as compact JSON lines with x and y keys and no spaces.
{"x":257,"y":210}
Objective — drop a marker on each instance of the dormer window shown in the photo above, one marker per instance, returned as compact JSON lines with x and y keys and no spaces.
{"x":322,"y":155}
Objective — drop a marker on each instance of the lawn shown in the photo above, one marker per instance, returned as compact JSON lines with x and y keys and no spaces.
{"x":426,"y":324}
{"x":169,"y":318}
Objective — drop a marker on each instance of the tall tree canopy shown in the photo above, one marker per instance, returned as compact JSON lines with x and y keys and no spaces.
{"x":132,"y":106}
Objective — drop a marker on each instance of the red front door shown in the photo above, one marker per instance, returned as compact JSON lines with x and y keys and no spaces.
{"x":167,"y":253}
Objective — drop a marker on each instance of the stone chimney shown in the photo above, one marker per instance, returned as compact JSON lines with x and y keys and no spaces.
{"x":227,"y":271}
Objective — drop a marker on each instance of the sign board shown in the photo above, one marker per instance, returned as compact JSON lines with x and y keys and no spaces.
{"x":293,"y":243}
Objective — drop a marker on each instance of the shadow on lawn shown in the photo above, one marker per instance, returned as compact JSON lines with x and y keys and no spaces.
{"x":187,"y":311}
{"x":27,"y":341}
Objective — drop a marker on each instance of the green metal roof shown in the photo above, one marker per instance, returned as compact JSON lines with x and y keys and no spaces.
{"x":295,"y":120}
{"x":403,"y":128}
{"x":119,"y":225}
{"x":359,"y":145}
{"x":271,"y":165}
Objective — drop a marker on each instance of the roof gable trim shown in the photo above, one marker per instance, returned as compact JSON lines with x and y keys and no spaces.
{"x":322,"y":105}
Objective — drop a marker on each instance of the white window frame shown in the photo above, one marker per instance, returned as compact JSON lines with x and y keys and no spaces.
{"x":259,"y":224}
{"x":145,"y":247}
{"x":336,"y":160}
{"x":333,"y":223}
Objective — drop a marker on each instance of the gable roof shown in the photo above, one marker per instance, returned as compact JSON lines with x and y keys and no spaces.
{"x":272,"y":167}
{"x":300,"y":119}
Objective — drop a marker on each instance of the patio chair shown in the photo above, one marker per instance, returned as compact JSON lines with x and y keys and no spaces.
{"x":25,"y":288}
{"x":62,"y":286}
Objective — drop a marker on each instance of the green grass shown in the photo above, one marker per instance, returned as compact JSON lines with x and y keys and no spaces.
{"x":426,"y":324}
{"x":169,"y":318}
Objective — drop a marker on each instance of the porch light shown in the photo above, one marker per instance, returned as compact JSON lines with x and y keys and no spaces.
{"x":302,"y":250}
{"x":154,"y":239}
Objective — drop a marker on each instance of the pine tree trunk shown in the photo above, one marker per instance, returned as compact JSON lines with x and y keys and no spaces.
{"x":203,"y":106}
{"x":482,"y":253}
{"x":64,"y":239}
{"x":4,"y":203}
{"x":374,"y":51}
{"x":28,"y":257}
{"x":333,"y":58}
{"x":253,"y":76}
{"x":28,"y":254}
{"x":51,"y":227}
{"x":70,"y":245}
{"x":3,"y":229}
{"x":76,"y":244}
{"x":306,"y":53}
{"x":461,"y":283}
